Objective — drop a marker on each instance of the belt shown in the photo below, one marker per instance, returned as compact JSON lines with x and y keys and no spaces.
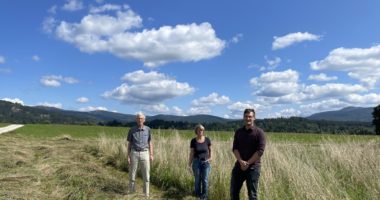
{"x":139,"y":150}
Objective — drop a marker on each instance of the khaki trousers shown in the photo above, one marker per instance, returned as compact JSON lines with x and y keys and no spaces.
{"x":139,"y":158}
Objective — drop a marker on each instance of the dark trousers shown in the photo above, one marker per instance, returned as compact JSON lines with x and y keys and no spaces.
{"x":251,"y":176}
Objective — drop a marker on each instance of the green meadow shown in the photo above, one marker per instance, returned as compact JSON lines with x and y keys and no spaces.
{"x":89,"y":162}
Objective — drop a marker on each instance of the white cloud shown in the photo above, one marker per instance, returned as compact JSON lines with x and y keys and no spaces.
{"x":361,"y":64}
{"x":2,"y":60}
{"x":106,"y":7}
{"x":91,"y":108}
{"x":99,"y":32}
{"x":321,"y":106}
{"x":292,"y":38}
{"x":289,"y":112}
{"x":83,"y":100}
{"x":142,"y":90}
{"x":53,"y":105}
{"x":322,"y":77}
{"x":199,"y":110}
{"x":331,"y":90}
{"x":156,"y":108}
{"x":14,"y":100}
{"x":371,"y":99}
{"x":211,"y":100}
{"x":236,"y":109}
{"x":272,"y":63}
{"x":275,"y":84}
{"x":55,"y":81}
{"x":49,"y":24}
{"x":35,"y":58}
{"x":236,"y":38}
{"x":73,"y":5}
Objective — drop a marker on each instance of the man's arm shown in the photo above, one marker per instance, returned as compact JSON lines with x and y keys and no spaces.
{"x":151,"y":150}
{"x":243,"y":164}
{"x":260,"y":150}
{"x":129,"y":152}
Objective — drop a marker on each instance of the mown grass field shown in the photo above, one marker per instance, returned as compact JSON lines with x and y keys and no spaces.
{"x":88,"y":162}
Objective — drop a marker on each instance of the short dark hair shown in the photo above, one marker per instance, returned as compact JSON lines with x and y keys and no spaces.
{"x":249,"y":110}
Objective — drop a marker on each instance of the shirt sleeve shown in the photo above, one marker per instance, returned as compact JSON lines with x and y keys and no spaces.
{"x":208,"y":141}
{"x":192,"y":144}
{"x":129,"y":137}
{"x":234,"y":144}
{"x":149,"y":135}
{"x":262,"y":143}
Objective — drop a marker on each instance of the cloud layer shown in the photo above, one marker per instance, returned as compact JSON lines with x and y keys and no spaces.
{"x":116,"y":29}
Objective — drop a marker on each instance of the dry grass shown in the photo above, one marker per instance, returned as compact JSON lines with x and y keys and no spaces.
{"x":58,"y":168}
{"x":290,"y":170}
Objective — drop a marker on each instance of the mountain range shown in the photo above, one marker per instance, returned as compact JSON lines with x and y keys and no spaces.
{"x":17,"y":113}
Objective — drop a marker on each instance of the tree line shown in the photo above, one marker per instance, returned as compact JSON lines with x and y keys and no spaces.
{"x":290,"y":125}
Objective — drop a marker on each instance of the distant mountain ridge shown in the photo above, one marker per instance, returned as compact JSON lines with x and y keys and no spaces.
{"x":17,"y":113}
{"x":355,"y":114}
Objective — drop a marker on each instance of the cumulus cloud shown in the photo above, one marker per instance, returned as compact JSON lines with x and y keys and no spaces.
{"x":236,"y":109}
{"x":53,"y":105}
{"x":331,"y":90}
{"x":14,"y":100}
{"x":162,"y":109}
{"x":199,"y":110}
{"x":83,"y":100}
{"x":322,"y":77}
{"x":292,"y":38}
{"x":275,"y":84}
{"x":156,"y":108}
{"x":56,"y":81}
{"x":371,"y":99}
{"x":362,"y":64}
{"x":148,"y":88}
{"x":289,"y":112}
{"x":211,"y":100}
{"x":324,"y":105}
{"x":73,"y":5}
{"x":113,"y":32}
{"x":92,"y":108}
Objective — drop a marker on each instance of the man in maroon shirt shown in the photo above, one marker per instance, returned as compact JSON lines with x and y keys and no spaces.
{"x":248,"y":147}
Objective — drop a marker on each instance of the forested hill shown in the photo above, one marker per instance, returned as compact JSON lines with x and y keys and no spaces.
{"x":356,"y":114}
{"x":16,"y":113}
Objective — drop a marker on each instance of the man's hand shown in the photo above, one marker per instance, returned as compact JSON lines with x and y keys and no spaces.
{"x":244,"y":165}
{"x":129,"y":160}
{"x":151,"y":157}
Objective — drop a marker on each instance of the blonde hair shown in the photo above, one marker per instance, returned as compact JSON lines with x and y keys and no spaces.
{"x":198,"y":126}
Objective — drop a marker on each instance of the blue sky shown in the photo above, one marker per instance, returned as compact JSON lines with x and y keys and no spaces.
{"x":283,"y":58}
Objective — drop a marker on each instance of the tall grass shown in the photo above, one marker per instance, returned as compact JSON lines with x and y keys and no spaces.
{"x":326,"y":169}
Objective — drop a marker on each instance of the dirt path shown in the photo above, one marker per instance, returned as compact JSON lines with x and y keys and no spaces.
{"x":10,"y":128}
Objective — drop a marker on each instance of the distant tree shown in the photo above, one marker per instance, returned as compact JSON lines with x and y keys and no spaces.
{"x":376,"y":119}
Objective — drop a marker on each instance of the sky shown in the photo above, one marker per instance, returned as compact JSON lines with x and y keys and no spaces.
{"x":217,"y":57}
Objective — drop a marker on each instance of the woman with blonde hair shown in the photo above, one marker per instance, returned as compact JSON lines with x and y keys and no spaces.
{"x":199,"y":161}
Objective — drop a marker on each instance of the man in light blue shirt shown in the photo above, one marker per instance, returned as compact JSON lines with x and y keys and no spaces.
{"x":140,"y":150}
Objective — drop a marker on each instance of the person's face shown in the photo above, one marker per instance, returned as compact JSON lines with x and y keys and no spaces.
{"x":200,"y":132}
{"x":140,"y":120}
{"x":249,"y":118}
